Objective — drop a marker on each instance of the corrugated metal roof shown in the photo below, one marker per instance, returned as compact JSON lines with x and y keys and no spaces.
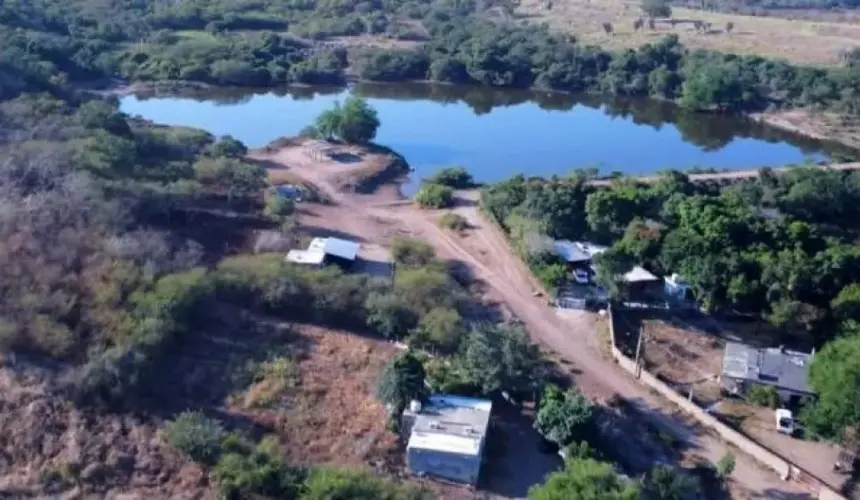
{"x":341,"y":248}
{"x":638,"y":274}
{"x":773,"y":366}
{"x":451,"y":424}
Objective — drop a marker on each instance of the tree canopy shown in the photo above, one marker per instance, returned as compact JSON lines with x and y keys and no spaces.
{"x":355,"y":122}
{"x":585,"y":479}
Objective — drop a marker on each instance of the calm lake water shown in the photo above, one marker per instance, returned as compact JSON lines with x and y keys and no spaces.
{"x":499,"y":133}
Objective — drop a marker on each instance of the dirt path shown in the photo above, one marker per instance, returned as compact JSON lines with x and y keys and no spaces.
{"x":484,"y":248}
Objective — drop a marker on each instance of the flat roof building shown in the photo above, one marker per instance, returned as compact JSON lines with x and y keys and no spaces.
{"x":447,"y":435}
{"x":787,"y":371}
{"x":321,"y":250}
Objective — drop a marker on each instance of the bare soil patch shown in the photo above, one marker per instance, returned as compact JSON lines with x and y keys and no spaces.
{"x":797,"y":40}
{"x":843,"y":129}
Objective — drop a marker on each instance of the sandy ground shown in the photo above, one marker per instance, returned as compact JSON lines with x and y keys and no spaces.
{"x":844,"y":129}
{"x":799,"y":41}
{"x":484,"y":249}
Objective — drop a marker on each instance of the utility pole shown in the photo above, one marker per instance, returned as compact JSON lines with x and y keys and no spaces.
{"x":639,"y":351}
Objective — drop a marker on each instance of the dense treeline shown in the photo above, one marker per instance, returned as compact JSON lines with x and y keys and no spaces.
{"x":781,"y":246}
{"x":235,"y":43}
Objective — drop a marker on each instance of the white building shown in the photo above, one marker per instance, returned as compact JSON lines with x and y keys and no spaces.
{"x":322,"y":250}
{"x":446,"y":437}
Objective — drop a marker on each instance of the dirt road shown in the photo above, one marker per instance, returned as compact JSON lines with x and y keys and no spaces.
{"x":374,"y":218}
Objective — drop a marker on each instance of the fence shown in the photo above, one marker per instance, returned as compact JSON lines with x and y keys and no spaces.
{"x":781,"y":466}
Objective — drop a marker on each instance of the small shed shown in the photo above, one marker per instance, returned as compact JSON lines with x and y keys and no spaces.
{"x":745,"y":366}
{"x":447,"y":435}
{"x":324,"y":250}
{"x":676,"y":287}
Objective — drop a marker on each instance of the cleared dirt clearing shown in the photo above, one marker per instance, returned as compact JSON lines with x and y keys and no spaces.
{"x":799,"y":41}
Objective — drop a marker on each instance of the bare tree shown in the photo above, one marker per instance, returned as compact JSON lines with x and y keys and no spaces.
{"x":637,"y":24}
{"x":607,"y":27}
{"x":730,"y":26}
{"x":652,"y":24}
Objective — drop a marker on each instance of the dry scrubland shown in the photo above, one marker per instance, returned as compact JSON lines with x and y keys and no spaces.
{"x":799,"y":41}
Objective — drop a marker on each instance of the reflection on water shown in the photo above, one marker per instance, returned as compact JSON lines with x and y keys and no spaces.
{"x":496,"y":132}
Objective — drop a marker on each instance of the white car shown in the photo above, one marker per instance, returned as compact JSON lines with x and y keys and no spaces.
{"x":581,"y":276}
{"x":784,"y":421}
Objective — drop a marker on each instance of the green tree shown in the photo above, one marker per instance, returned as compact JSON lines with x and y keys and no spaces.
{"x":585,"y":479}
{"x":402,"y":381}
{"x":434,"y":196}
{"x":328,"y":123}
{"x":441,"y":328}
{"x":279,"y":206}
{"x":329,"y":483}
{"x":411,"y":252}
{"x":846,"y":305}
{"x":453,"y":177}
{"x":228,"y":146}
{"x":564,"y":417}
{"x":499,"y":358}
{"x":232,"y":177}
{"x":388,"y":315}
{"x":665,"y":482}
{"x":835,"y":375}
{"x":354,"y":122}
{"x":252,"y":472}
{"x":196,"y":436}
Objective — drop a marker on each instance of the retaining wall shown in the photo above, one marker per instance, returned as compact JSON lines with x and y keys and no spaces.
{"x":781,"y":466}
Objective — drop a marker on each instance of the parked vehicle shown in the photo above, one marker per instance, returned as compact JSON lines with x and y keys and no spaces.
{"x":581,"y":277}
{"x":784,"y":421}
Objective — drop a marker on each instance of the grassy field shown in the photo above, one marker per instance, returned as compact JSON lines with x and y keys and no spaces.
{"x":799,"y":41}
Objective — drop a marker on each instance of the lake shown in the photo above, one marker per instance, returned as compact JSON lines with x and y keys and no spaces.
{"x":498,"y":133}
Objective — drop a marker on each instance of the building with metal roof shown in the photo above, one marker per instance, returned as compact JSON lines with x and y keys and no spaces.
{"x":322,"y":250}
{"x":447,"y":435}
{"x":785,"y":370}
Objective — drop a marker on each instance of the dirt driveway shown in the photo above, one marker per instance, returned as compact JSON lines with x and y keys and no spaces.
{"x":484,"y":248}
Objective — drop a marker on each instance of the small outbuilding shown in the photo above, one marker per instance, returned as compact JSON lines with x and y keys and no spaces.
{"x":676,"y":287}
{"x":326,"y":250}
{"x":446,"y":437}
{"x":787,"y":371}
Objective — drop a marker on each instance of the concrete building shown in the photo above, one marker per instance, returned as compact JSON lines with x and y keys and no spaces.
{"x":745,"y":366}
{"x":446,"y":437}
{"x":325,"y":250}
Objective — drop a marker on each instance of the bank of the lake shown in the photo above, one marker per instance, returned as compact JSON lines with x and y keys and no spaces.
{"x":497,"y":133}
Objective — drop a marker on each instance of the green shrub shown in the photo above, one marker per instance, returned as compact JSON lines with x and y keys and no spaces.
{"x":195,"y":436}
{"x":453,"y":177}
{"x":388,"y":315}
{"x":763,"y":395}
{"x":434,"y":196}
{"x":725,"y":466}
{"x":411,"y":252}
{"x":328,"y":483}
{"x":440,"y":329}
{"x":245,"y":472}
{"x":277,"y":206}
{"x":401,"y":381}
{"x":564,"y":417}
{"x":454,"y":222}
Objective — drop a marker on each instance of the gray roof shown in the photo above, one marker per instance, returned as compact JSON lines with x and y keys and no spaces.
{"x":452,"y":424}
{"x":772,"y":366}
{"x":576,"y":251}
{"x":337,"y":247}
{"x":638,"y":275}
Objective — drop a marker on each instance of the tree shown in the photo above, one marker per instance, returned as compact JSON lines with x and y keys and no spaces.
{"x":846,"y":305}
{"x":330,"y":483}
{"x":231,"y":176}
{"x":564,"y":417}
{"x":656,"y":8}
{"x":434,"y":196}
{"x":388,"y":315}
{"x":585,"y":479}
{"x":835,"y":375}
{"x":665,"y":482}
{"x":279,"y":206}
{"x":196,"y":436}
{"x":453,"y":177}
{"x":441,"y":329}
{"x":499,"y":358}
{"x":402,"y":381}
{"x":354,"y":122}
{"x":228,"y":146}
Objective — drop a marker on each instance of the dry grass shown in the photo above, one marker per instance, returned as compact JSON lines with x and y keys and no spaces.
{"x":819,"y":125}
{"x":682,"y":355}
{"x":328,"y":412}
{"x":799,"y":41}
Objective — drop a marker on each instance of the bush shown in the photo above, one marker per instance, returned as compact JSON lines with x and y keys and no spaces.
{"x":328,"y":483}
{"x":453,"y":177}
{"x":195,"y":436}
{"x":434,"y":196}
{"x":245,"y":472}
{"x":763,"y":395}
{"x":388,"y":315}
{"x":411,"y":252}
{"x":402,"y":381}
{"x":454,"y":222}
{"x":440,"y":329}
{"x":725,"y":466}
{"x":564,"y":417}
{"x":277,"y":206}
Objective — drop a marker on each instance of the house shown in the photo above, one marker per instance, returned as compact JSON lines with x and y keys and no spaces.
{"x":676,"y":287}
{"x":579,"y":257}
{"x":745,"y":366}
{"x":322,"y":251}
{"x":639,"y":284}
{"x":446,"y":436}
